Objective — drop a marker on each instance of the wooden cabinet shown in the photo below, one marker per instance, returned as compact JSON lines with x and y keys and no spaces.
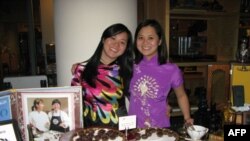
{"x":244,"y":26}
{"x":244,"y":22}
{"x":218,"y":41}
{"x":215,"y":35}
{"x":155,"y":9}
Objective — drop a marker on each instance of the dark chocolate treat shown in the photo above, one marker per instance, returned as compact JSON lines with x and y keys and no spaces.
{"x":91,"y":131}
{"x":97,"y":138}
{"x":97,"y":134}
{"x":148,"y":134}
{"x":111,"y":132}
{"x":105,"y":137}
{"x":158,"y":129}
{"x":144,"y":136}
{"x":152,"y":130}
{"x":159,"y":133}
{"x":101,"y":132}
{"x":120,"y":135}
{"x":166,"y":132}
{"x":113,"y":135}
{"x":137,"y":136}
{"x":81,"y":133}
{"x":85,"y":138}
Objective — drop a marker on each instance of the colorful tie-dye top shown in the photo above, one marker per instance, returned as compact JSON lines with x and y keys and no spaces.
{"x":104,"y":104}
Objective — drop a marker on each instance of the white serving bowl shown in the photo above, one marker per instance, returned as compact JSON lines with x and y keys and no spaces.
{"x":197,"y":133}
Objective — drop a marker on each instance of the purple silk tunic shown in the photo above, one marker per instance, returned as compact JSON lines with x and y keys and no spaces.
{"x":149,"y":89}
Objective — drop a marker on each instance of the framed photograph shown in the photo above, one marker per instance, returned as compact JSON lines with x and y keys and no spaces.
{"x":32,"y":107}
{"x":9,"y":131}
{"x":5,"y":107}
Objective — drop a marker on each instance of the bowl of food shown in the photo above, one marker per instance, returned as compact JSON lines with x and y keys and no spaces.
{"x":196,"y":132}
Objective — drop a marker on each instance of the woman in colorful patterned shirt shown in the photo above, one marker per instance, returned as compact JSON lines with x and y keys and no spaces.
{"x":153,"y":78}
{"x":105,"y":78}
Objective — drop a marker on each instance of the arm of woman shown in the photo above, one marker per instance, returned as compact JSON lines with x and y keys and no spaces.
{"x":183,"y":103}
{"x":50,"y":115}
{"x":169,"y":110}
{"x":31,"y":120}
{"x":76,"y":79}
{"x":65,"y":119}
{"x":73,"y":68}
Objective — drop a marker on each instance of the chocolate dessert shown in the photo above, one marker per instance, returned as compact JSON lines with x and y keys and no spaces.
{"x":93,"y":134}
{"x":153,"y":134}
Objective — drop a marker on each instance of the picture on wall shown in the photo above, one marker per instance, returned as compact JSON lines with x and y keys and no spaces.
{"x":46,"y":113}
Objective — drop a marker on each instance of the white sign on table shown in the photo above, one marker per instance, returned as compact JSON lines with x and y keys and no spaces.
{"x":127,"y":122}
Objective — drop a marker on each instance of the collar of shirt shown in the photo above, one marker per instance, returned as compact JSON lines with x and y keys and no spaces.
{"x":152,"y":61}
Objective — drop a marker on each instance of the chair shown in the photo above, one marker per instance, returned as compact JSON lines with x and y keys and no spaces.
{"x":218,"y":84}
{"x":35,"y":81}
{"x":242,"y":118}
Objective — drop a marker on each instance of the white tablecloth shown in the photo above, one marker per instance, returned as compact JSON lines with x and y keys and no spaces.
{"x":50,"y":135}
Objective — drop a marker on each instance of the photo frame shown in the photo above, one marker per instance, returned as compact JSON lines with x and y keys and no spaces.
{"x":71,"y":103}
{"x":9,"y":131}
{"x":5,"y":106}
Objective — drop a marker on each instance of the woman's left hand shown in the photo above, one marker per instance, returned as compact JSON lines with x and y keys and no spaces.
{"x":63,"y":125}
{"x":169,"y":111}
{"x":189,"y":121}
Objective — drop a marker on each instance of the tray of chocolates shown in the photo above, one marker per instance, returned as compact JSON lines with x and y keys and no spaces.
{"x":153,"y":134}
{"x":95,"y":134}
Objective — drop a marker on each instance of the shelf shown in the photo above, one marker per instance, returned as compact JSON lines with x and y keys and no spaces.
{"x":197,"y":75}
{"x":245,"y":27}
{"x":244,"y":22}
{"x":176,"y":111}
{"x":194,"y":58}
{"x":183,"y":64}
{"x":197,"y":13}
{"x":245,"y":15}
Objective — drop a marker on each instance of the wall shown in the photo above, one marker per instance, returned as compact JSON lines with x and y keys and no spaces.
{"x":47,"y":22}
{"x":9,"y":51}
{"x":79,"y":25}
{"x":14,"y":19}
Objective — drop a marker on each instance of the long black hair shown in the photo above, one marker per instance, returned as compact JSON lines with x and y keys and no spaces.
{"x":162,"y":48}
{"x":125,"y":61}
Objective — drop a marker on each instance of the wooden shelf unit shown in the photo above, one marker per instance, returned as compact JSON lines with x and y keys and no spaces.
{"x":222,"y":28}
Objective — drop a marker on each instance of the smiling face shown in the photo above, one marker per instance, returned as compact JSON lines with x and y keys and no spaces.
{"x":147,"y":42}
{"x":113,"y":47}
{"x":40,"y":106}
{"x":56,"y":106}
